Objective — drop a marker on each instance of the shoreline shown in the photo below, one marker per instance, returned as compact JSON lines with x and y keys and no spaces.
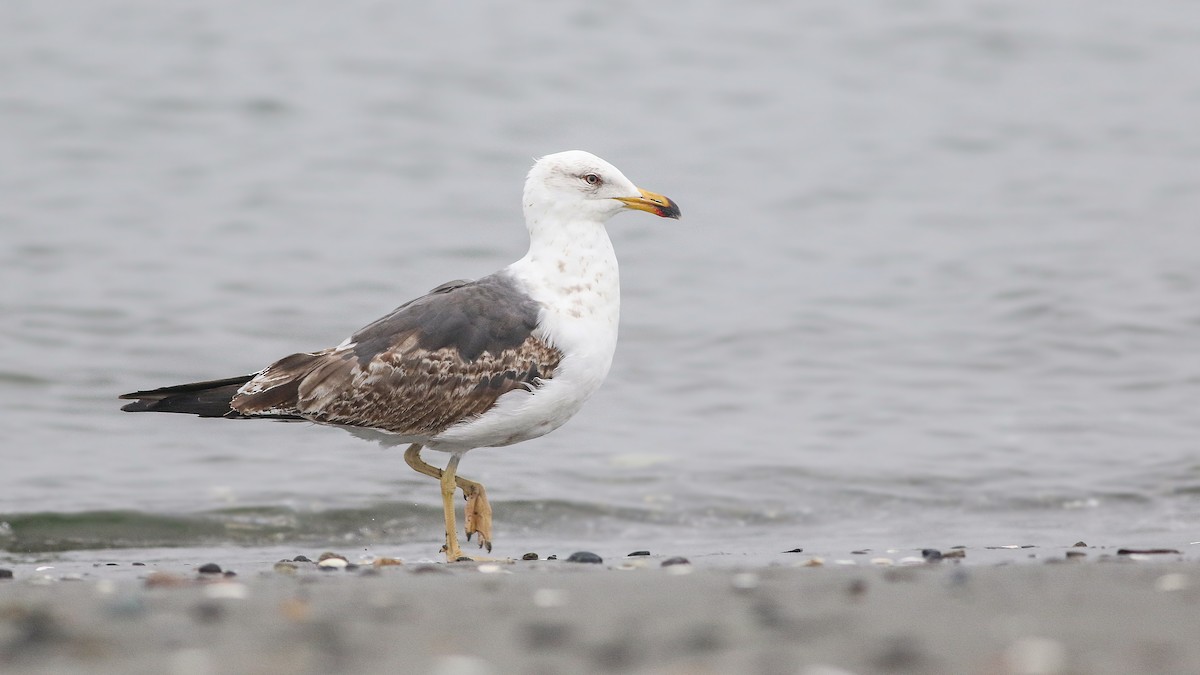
{"x":1100,"y":613}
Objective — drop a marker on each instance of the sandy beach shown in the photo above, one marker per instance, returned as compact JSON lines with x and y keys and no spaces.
{"x":1093,"y":611}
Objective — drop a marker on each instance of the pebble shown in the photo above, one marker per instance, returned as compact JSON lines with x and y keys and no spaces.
{"x":745,"y":581}
{"x":931,"y":554}
{"x":1036,"y":656}
{"x":1147,"y":551}
{"x":529,"y":556}
{"x":678,"y":570}
{"x":459,"y":664}
{"x":822,"y":669}
{"x":208,"y":612}
{"x":301,"y":558}
{"x":1079,"y":544}
{"x":1172,"y":582}
{"x":637,"y":553}
{"x":6,"y":573}
{"x":795,"y":550}
{"x":165,"y":580}
{"x":677,"y":560}
{"x":585,"y":557}
{"x":209,"y":568}
{"x":333,"y":563}
{"x":549,"y":597}
{"x":229,"y":591}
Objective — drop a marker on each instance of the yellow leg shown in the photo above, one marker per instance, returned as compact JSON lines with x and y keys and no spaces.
{"x":478,"y":512}
{"x":453,"y":552}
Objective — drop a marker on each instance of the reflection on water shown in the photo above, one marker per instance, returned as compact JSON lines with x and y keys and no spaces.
{"x":938,"y":273}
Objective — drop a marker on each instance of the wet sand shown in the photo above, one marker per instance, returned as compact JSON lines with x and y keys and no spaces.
{"x":1093,"y":612}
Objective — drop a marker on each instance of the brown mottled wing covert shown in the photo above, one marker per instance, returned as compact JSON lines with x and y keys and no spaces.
{"x":438,"y":360}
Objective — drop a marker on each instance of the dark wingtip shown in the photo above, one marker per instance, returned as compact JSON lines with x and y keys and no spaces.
{"x":206,"y":399}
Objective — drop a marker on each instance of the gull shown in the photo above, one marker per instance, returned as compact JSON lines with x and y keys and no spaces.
{"x":472,"y":364}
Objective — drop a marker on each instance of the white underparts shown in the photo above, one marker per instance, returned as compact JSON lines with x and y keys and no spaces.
{"x":571,"y":272}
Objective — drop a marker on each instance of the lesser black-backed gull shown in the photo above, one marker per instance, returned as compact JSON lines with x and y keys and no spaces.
{"x":472,"y":364}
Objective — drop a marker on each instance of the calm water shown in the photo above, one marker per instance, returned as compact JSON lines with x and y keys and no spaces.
{"x":938,"y":280}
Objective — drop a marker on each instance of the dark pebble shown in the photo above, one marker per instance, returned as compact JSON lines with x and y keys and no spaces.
{"x":795,"y":550}
{"x":1147,"y":551}
{"x":703,"y":639}
{"x":637,"y":553}
{"x":616,"y":656}
{"x":547,"y":636}
{"x":208,"y":612}
{"x":6,"y":574}
{"x":931,"y":554}
{"x":229,"y":574}
{"x":861,"y":552}
{"x":1079,"y":544}
{"x":209,"y":568}
{"x":584,"y":557}
{"x":677,"y":560}
{"x":553,"y":557}
{"x":301,"y":558}
{"x":529,"y":556}
{"x":138,"y":564}
{"x":902,"y":653}
{"x":111,"y":564}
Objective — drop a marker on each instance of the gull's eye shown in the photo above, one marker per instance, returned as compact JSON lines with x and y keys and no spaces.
{"x":592,"y":179}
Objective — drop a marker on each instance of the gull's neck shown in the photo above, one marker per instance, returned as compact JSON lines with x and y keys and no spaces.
{"x":571,"y":270}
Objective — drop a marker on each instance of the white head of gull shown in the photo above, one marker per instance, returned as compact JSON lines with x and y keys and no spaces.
{"x":471,"y":364}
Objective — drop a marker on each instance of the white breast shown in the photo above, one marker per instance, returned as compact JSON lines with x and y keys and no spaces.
{"x":576,"y":282}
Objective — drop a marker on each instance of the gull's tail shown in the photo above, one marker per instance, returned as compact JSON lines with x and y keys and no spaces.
{"x":206,"y":399}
